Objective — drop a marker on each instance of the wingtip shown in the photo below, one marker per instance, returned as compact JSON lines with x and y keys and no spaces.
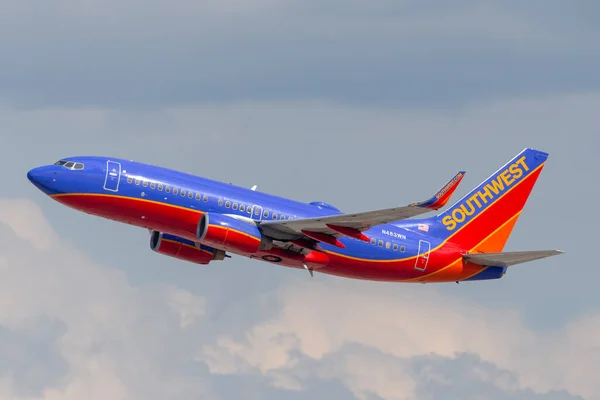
{"x":440,"y":199}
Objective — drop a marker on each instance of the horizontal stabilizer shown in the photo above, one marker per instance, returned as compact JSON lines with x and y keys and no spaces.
{"x":506,"y":259}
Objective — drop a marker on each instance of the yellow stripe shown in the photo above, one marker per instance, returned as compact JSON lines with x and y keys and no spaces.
{"x":445,"y":240}
{"x":148,"y":201}
{"x":459,"y":258}
{"x":339,"y":254}
{"x":128,"y":198}
{"x":490,"y":235}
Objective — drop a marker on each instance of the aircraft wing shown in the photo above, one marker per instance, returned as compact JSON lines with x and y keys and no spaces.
{"x":328,"y":228}
{"x":507,"y":259}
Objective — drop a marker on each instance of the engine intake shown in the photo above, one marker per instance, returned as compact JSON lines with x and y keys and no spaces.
{"x":183,"y":249}
{"x":232,"y":234}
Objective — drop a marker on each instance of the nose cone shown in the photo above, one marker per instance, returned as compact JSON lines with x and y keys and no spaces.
{"x":44,"y":178}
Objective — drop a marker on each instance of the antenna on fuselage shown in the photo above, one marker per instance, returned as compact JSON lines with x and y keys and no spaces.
{"x":254,"y":187}
{"x":310,"y":271}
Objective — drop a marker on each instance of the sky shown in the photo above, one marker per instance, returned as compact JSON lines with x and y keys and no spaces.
{"x":364,"y":105}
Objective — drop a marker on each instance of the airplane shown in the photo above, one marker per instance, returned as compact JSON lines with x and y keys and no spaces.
{"x":200,"y":220}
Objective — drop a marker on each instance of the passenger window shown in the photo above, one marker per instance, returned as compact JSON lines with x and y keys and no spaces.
{"x":235,"y":206}
{"x":198,"y":196}
{"x":256,"y":211}
{"x":152,"y":185}
{"x":282,"y":217}
{"x":387,"y":245}
{"x":395,"y":247}
{"x":242,"y":208}
{"x":129,"y":179}
{"x":182,"y":192}
{"x":220,"y":202}
{"x":380,"y":243}
{"x":402,"y":248}
{"x":227,"y":204}
{"x":145,"y":183}
{"x":160,"y":187}
{"x":205,"y":198}
{"x":175,"y":190}
{"x":137,"y":182}
{"x":274,"y":215}
{"x":266,"y":214}
{"x":168,"y":189}
{"x":373,"y":240}
{"x":249,"y":210}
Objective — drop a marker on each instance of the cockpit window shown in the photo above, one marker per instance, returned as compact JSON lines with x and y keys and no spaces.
{"x":69,"y":164}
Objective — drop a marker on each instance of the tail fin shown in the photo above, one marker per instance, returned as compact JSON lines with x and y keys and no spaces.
{"x":483,"y":220}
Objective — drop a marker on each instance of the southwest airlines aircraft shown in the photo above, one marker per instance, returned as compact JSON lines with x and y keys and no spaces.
{"x":201,"y":220}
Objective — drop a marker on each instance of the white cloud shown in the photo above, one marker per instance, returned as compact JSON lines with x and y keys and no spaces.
{"x":319,"y":320}
{"x":188,"y":306}
{"x":116,"y":328}
{"x":118,"y":340}
{"x":27,"y":222}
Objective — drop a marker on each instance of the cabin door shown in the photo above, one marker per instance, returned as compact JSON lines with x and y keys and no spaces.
{"x":113,"y":176}
{"x":423,"y":255}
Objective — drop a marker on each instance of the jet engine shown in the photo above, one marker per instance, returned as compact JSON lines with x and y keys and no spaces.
{"x":232,"y":233}
{"x":183,"y":249}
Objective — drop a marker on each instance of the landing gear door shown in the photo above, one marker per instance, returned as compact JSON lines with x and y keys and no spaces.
{"x":423,"y":257}
{"x":113,"y":176}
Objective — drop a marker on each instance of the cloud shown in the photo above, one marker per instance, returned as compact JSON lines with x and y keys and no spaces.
{"x":152,"y":54}
{"x":28,"y":223}
{"x":72,"y":329}
{"x":222,"y":332}
{"x":404,"y":338}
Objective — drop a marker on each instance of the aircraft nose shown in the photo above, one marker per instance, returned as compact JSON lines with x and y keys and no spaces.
{"x":44,"y":178}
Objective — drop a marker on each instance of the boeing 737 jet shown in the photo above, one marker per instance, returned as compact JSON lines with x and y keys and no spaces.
{"x":202,"y":221}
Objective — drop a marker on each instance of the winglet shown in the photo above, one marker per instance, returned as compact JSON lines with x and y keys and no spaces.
{"x":440,"y":199}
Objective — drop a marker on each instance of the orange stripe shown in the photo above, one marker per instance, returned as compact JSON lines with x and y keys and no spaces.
{"x":445,"y":240}
{"x":460,"y":258}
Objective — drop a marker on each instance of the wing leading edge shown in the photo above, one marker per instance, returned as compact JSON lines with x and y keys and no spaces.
{"x":328,"y":229}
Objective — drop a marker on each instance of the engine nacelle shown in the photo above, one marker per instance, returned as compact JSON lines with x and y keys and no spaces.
{"x":183,"y":249}
{"x":232,"y":233}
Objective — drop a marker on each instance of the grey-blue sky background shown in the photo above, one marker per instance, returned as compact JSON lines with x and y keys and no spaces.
{"x":361,"y":105}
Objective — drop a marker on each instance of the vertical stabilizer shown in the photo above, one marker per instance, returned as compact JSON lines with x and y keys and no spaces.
{"x":483,"y":219}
